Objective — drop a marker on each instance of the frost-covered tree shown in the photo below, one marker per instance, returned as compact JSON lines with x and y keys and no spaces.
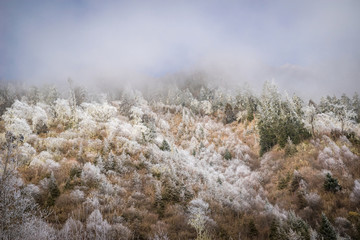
{"x":18,"y":126}
{"x":8,"y":94}
{"x":229,"y":114}
{"x":72,"y":229}
{"x":355,"y":194}
{"x":297,"y":226}
{"x":206,"y":94}
{"x":340,"y":110}
{"x":100,"y":112}
{"x":17,"y":118}
{"x":91,"y":174}
{"x":36,"y":229}
{"x":198,"y":218}
{"x":309,"y":118}
{"x":33,"y":95}
{"x":313,"y":200}
{"x":63,"y":113}
{"x":344,"y":115}
{"x":49,"y":94}
{"x":356,"y":106}
{"x":88,"y":127}
{"x":39,"y":120}
{"x":17,"y":206}
{"x":121,"y":232}
{"x":165,"y":146}
{"x":96,"y":227}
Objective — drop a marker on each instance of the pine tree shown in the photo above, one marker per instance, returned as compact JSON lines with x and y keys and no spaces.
{"x":301,"y":200}
{"x":54,"y":191}
{"x":229,"y":114}
{"x":274,"y":230}
{"x":283,"y":181}
{"x":165,"y":146}
{"x":327,"y":231}
{"x":295,"y":183}
{"x":356,"y":106}
{"x":331,"y":184}
{"x":227,"y":155}
{"x":110,"y":163}
{"x":279,"y":120}
{"x":299,"y":226}
{"x":252,"y":230}
{"x":250,"y":108}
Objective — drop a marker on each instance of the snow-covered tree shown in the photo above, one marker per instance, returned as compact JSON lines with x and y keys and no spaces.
{"x":355,"y":194}
{"x":17,"y":206}
{"x":91,"y":174}
{"x":198,"y":219}
{"x":39,"y":120}
{"x":36,"y":229}
{"x":100,"y":112}
{"x":62,"y":110}
{"x":96,"y":227}
{"x":309,"y":118}
{"x":341,"y":111}
{"x":72,"y":229}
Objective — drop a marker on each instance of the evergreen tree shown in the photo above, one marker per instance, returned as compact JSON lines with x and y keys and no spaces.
{"x":327,"y":231}
{"x":252,"y":230}
{"x":251,"y":108}
{"x":295,"y":183}
{"x":283,"y":181}
{"x":356,"y":106}
{"x":227,"y":155}
{"x":229,"y":114}
{"x":299,"y":226}
{"x":279,"y":120}
{"x":165,"y":146}
{"x":301,"y":200}
{"x":110,"y":163}
{"x":274,"y":230}
{"x":54,"y":191}
{"x":331,"y":184}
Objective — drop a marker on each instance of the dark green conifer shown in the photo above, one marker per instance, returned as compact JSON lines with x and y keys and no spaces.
{"x":227,"y":155}
{"x":229,"y":114}
{"x":165,"y":146}
{"x":54,"y":191}
{"x":274,"y":230}
{"x":326,"y":231}
{"x":252,"y":230}
{"x":331,"y":184}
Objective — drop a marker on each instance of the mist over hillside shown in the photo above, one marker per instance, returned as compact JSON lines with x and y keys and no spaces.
{"x":192,"y":161}
{"x":164,"y":120}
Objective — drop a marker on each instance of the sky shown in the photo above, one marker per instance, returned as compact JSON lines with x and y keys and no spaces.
{"x":306,"y":47}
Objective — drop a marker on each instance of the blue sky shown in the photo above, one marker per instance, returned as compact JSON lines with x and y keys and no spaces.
{"x":298,"y":43}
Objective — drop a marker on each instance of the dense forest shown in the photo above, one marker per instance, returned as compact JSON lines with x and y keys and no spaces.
{"x":189,"y":161}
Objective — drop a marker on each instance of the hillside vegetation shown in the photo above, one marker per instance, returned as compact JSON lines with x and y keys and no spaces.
{"x":195,"y":162}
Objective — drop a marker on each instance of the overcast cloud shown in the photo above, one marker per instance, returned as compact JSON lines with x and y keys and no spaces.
{"x":308,"y":47}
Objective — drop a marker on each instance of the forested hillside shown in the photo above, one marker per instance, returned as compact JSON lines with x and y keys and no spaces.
{"x":189,"y":162}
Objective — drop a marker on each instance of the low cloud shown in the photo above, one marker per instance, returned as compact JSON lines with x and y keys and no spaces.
{"x":308,"y":48}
